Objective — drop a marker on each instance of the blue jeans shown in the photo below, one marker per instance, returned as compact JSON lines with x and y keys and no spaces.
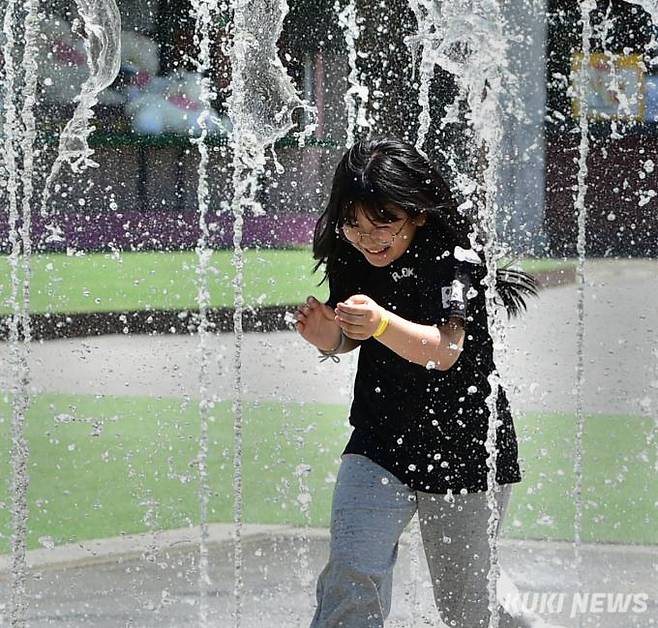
{"x":370,"y":510}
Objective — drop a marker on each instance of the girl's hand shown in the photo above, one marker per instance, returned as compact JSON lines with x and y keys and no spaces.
{"x":316,"y":324}
{"x":359,"y":316}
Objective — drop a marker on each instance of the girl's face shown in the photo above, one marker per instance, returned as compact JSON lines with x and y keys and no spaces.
{"x":382,"y":242}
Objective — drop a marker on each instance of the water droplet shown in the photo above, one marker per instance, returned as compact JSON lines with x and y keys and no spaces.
{"x":545,"y":520}
{"x":302,"y":469}
{"x":303,"y":499}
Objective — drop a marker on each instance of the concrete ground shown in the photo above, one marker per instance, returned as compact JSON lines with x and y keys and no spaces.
{"x":112,"y":583}
{"x":69,"y":586}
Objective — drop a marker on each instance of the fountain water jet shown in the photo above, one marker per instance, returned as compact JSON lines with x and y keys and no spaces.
{"x":466,"y":39}
{"x":357,"y":118}
{"x":204,"y":11}
{"x":260,"y":107}
{"x":20,"y":140}
{"x":101,"y":32}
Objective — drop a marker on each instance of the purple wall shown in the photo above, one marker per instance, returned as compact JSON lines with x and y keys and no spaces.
{"x":164,"y":230}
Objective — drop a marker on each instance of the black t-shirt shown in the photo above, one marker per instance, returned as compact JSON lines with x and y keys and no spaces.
{"x":427,"y":427}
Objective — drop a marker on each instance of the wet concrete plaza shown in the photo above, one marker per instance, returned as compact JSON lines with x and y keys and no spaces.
{"x":114,"y":582}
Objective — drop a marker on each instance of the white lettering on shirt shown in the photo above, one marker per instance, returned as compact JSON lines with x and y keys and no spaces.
{"x":403,"y":274}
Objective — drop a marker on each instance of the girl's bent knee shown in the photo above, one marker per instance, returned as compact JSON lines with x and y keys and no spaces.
{"x":342,"y":567}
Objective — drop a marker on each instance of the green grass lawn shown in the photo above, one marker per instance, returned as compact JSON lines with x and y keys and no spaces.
{"x":116,"y":282}
{"x":99,"y":464}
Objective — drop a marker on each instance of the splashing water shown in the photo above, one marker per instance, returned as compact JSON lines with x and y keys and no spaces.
{"x":204,"y":11}
{"x":19,"y":135}
{"x":20,"y":139}
{"x":260,"y":107}
{"x":613,"y":85}
{"x":263,"y":97}
{"x":424,"y":118}
{"x":304,"y":499}
{"x":650,"y":6}
{"x":356,"y":96}
{"x":466,"y":39}
{"x":651,"y":408}
{"x":101,"y":32}
{"x":415,"y":579}
{"x":579,"y":79}
{"x":24,"y":135}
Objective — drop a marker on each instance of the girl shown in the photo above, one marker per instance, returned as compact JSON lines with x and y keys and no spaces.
{"x":404,"y":272}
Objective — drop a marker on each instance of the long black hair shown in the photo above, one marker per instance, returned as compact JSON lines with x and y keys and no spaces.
{"x":377,"y":174}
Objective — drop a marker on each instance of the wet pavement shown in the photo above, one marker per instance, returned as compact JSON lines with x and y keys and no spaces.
{"x":122,"y":585}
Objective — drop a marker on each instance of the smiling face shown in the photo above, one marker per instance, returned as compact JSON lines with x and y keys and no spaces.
{"x":382,"y":242}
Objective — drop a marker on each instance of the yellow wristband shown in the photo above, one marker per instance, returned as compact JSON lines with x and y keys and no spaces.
{"x":381,"y":328}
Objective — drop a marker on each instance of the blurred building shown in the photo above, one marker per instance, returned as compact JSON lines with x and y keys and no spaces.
{"x":143,"y":195}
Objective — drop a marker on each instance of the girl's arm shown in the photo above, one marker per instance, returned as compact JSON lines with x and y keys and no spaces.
{"x":433,"y":347}
{"x":427,"y":345}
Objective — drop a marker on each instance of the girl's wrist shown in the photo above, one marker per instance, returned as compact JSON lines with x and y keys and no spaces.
{"x":384,"y":320}
{"x":332,"y":353}
{"x":335,"y":349}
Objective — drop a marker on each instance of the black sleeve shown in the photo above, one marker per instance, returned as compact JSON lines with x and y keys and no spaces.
{"x":447,"y":289}
{"x":454,"y":294}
